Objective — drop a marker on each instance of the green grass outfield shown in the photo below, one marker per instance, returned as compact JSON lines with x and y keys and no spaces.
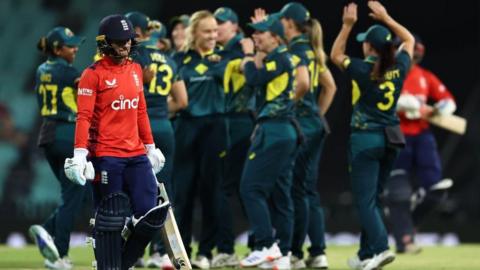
{"x":464,"y":257}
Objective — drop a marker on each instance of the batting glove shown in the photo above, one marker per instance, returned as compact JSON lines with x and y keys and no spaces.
{"x":156,"y":157}
{"x":445,"y":106}
{"x":77,"y":169}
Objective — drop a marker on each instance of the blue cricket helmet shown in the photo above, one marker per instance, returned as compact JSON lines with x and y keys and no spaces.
{"x":116,"y":27}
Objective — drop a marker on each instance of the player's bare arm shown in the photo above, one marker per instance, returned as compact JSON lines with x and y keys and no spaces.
{"x":337,"y":54}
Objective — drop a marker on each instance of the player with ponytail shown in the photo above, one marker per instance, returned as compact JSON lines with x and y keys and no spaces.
{"x":314,"y":92}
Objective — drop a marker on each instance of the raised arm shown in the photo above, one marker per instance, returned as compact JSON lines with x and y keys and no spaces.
{"x":378,"y":12}
{"x":337,"y":55}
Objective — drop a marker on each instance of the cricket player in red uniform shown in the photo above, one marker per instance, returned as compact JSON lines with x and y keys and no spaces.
{"x":113,"y":130}
{"x":420,"y":155}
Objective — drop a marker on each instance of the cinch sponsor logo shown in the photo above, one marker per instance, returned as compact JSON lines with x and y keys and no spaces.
{"x":84,"y":92}
{"x":124,"y":104}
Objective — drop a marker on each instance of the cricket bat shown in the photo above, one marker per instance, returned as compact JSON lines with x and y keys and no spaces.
{"x":452,"y":123}
{"x":172,"y":238}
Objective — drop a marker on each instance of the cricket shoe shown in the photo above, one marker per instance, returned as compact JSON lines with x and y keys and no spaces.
{"x":158,"y":261}
{"x":412,"y":249}
{"x":60,"y":264}
{"x":223,"y":260}
{"x":44,"y":242}
{"x":380,"y":260}
{"x":298,"y":263}
{"x":356,"y":264}
{"x":140,"y":263}
{"x":257,"y":257}
{"x":282,"y":263}
{"x":200,"y":262}
{"x":318,"y":262}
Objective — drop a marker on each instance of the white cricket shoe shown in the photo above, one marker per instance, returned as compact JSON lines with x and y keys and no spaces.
{"x":318,"y":262}
{"x":223,"y":260}
{"x":298,"y":263}
{"x":356,"y":264}
{"x":200,"y":262}
{"x":257,"y":257}
{"x":159,"y":261}
{"x":44,"y":242}
{"x":140,"y":263}
{"x":282,"y":263}
{"x":380,"y":260}
{"x":60,"y":264}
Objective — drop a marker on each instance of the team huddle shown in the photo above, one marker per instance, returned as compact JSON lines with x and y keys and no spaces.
{"x":212,"y":113}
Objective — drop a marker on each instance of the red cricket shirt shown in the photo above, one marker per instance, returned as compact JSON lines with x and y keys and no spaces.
{"x":424,"y":85}
{"x":112,"y":115}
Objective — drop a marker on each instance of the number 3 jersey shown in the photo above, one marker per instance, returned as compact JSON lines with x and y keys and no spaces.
{"x":374,"y":102}
{"x":158,"y":89}
{"x":112,"y":115}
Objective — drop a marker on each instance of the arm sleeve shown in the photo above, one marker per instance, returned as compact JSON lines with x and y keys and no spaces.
{"x":299,"y":58}
{"x":436,"y":89}
{"x":355,"y":67}
{"x":86,"y":96}
{"x":144,"y":130}
{"x":259,"y":77}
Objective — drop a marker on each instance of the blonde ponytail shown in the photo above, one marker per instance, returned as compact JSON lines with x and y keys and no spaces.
{"x":314,"y":32}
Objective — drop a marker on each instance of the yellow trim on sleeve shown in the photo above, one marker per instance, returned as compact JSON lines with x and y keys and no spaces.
{"x":69,"y":99}
{"x":346,"y":62}
{"x":356,"y":92}
{"x":295,"y":60}
{"x":310,"y":54}
{"x":277,"y":86}
{"x":232,"y":74}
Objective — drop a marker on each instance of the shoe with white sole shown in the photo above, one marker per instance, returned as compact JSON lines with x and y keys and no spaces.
{"x":412,"y":249}
{"x":298,"y":263}
{"x":158,"y":261}
{"x":380,"y":260}
{"x":318,"y":262}
{"x":60,"y":264}
{"x":200,"y":262}
{"x":140,"y":263}
{"x":282,"y":263}
{"x":257,"y":257}
{"x":44,"y":242}
{"x":223,"y":260}
{"x":356,"y":264}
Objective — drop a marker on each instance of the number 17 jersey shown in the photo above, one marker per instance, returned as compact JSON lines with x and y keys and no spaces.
{"x":374,"y":102}
{"x":165,"y":75}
